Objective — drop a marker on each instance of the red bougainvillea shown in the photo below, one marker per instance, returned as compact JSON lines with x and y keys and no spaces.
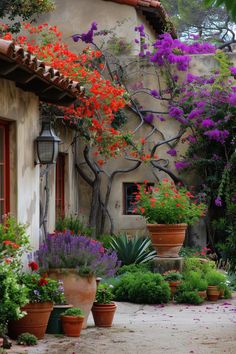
{"x":94,"y":111}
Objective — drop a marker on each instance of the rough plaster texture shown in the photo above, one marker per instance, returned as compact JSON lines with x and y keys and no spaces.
{"x":21,"y":110}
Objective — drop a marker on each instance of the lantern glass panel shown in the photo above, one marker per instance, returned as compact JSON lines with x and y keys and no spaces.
{"x":56,"y":150}
{"x":46,"y":151}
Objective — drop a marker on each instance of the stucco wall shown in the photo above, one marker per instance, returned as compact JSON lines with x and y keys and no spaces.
{"x":78,"y":15}
{"x":21,"y":110}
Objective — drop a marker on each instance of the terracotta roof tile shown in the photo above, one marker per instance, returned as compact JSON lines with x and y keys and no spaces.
{"x":34,"y":75}
{"x":156,"y":14}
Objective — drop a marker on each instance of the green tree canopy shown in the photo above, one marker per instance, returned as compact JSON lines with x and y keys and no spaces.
{"x":230,"y":6}
{"x":13,"y":11}
{"x":192,"y":17}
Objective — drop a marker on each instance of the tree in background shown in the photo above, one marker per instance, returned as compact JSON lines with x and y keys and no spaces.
{"x":24,"y":9}
{"x":230,"y":6}
{"x":194,"y":20}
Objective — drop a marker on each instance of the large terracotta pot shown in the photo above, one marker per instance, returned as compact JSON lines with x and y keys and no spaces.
{"x":35,"y":322}
{"x":72,"y":325}
{"x":103,"y":314}
{"x":167,"y":239}
{"x":79,"y":291}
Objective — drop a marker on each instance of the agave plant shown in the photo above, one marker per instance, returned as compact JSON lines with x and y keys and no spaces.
{"x":132,"y":250}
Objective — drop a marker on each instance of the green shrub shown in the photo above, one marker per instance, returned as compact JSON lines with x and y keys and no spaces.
{"x":215,"y":278}
{"x":188,"y":297}
{"x":146,"y":288}
{"x":13,"y":296}
{"x":196,"y":264}
{"x":73,"y":311}
{"x":134,"y":268}
{"x":195,"y":280}
{"x":74,"y":224}
{"x":27,"y":339}
{"x":227,"y":293}
{"x":132,"y":250}
{"x":172,"y":275}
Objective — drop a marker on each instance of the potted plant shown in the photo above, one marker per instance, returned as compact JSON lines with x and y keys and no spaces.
{"x":10,"y":289}
{"x":54,"y":324}
{"x":41,"y":292}
{"x":174,"y":278}
{"x":197,"y":282}
{"x":168,"y":210}
{"x":72,"y":321}
{"x":103,"y":309}
{"x":214,"y":280}
{"x":77,"y":261}
{"x":14,"y":242}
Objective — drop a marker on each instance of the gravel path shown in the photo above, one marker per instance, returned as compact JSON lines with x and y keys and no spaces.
{"x":142,"y":329}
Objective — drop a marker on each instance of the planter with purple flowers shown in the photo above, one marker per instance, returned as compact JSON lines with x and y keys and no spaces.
{"x":77,"y":261}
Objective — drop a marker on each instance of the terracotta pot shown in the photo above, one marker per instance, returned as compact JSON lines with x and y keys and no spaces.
{"x":173,"y":286}
{"x":202,"y":294}
{"x":103,"y":314}
{"x":35,"y":322}
{"x":213,"y":293}
{"x":54,"y":324}
{"x":79,"y":291}
{"x":72,"y":325}
{"x":167,"y":239}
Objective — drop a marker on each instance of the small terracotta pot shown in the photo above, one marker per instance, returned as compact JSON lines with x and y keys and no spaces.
{"x":173,"y":286}
{"x":213,"y":293}
{"x":103,"y":314}
{"x":72,"y":325}
{"x":35,"y":322}
{"x":202,"y":294}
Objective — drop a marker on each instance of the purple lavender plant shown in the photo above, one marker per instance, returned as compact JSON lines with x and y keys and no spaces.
{"x":88,"y":256}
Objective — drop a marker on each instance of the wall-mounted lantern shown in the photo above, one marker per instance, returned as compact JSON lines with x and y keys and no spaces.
{"x":47,"y":145}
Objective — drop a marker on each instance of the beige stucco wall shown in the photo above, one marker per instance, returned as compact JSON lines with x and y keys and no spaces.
{"x":21,"y":110}
{"x":76,"y":16}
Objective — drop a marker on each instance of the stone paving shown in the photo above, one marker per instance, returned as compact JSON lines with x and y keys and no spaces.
{"x":138,"y":329}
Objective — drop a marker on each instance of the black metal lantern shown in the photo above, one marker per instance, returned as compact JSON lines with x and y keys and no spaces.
{"x":47,"y":145}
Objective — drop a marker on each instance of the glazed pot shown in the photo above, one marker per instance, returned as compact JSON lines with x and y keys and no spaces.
{"x":72,"y":325}
{"x":79,"y":291}
{"x":54,"y":324}
{"x":103,"y":314}
{"x":167,"y":239}
{"x":35,"y":322}
{"x":213,"y":293}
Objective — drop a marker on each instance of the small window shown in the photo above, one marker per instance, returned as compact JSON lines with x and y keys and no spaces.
{"x":130,"y":190}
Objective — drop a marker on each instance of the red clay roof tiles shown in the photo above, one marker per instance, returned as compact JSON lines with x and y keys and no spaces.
{"x":33,"y":75}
